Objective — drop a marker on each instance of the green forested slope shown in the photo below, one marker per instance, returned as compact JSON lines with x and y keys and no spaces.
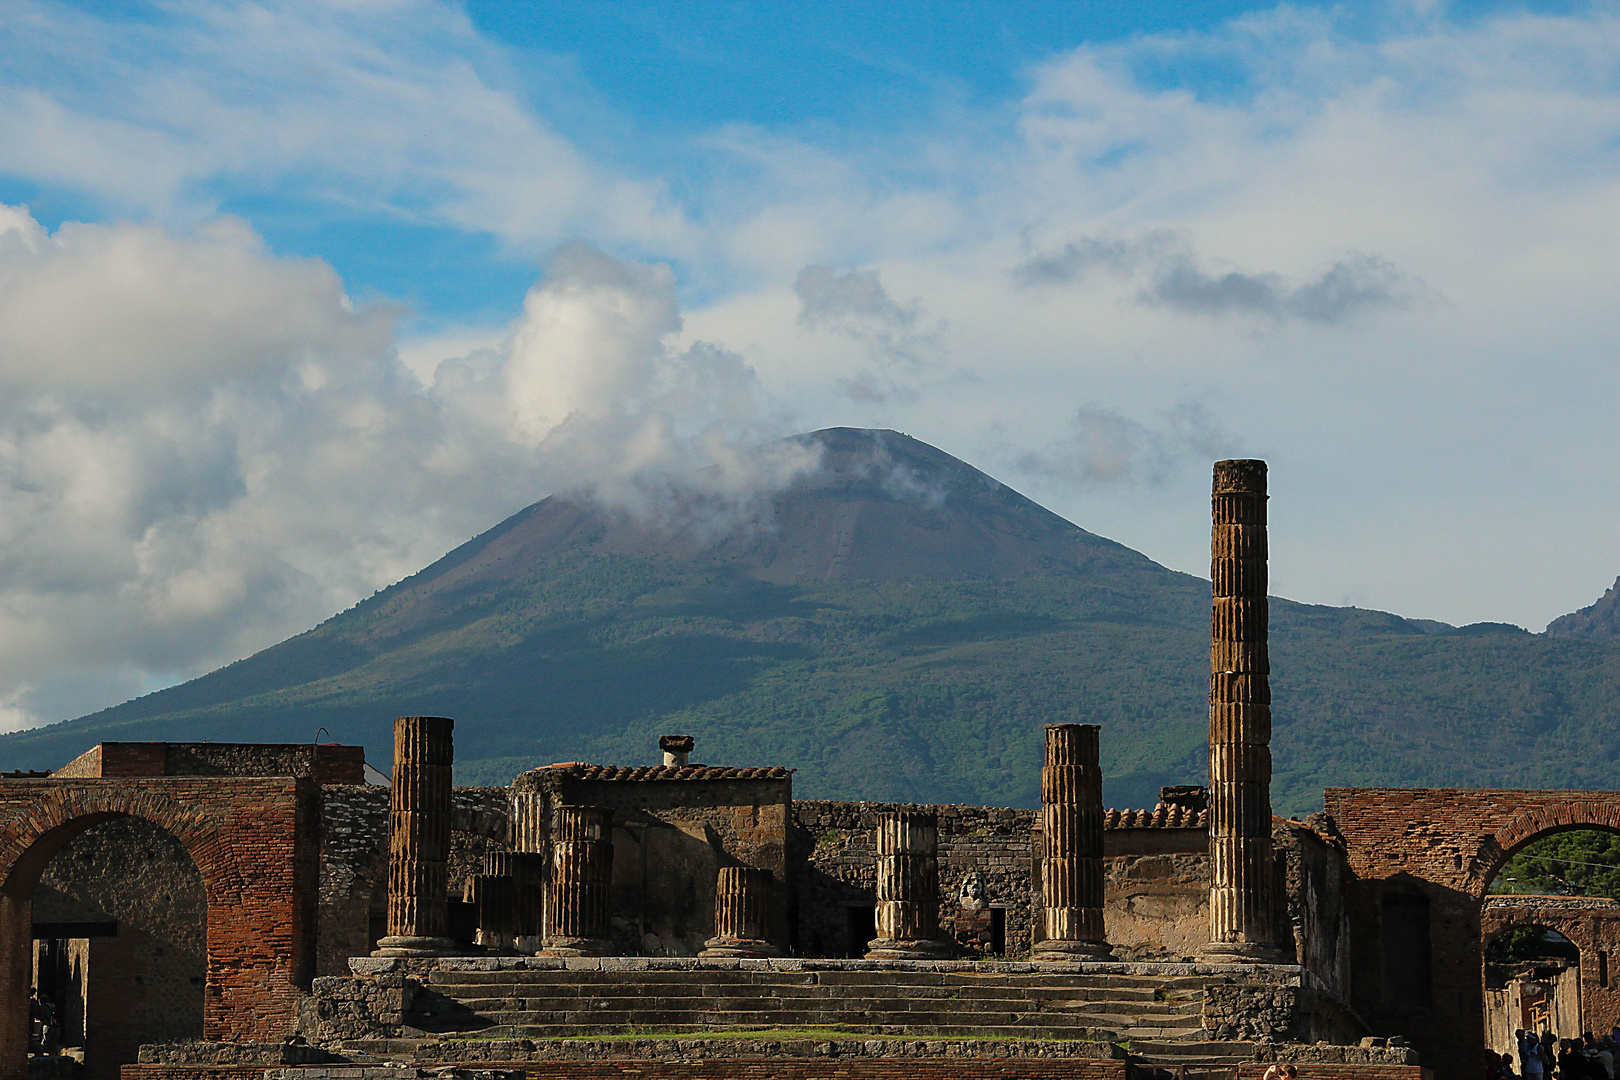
{"x":930,"y":689}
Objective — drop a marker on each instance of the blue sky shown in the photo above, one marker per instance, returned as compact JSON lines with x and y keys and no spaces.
{"x":296,"y":296}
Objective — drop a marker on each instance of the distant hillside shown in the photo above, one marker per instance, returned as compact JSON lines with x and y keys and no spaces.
{"x":899,"y":626}
{"x":1600,"y":620}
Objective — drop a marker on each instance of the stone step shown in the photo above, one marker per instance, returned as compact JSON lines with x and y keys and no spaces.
{"x":1191,"y":1052}
{"x":896,"y":1030}
{"x":1125,"y":985}
{"x":757,"y":1012}
{"x":722,"y":1001}
{"x":470,"y":990}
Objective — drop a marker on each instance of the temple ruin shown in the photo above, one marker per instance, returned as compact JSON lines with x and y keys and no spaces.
{"x":241,"y":911}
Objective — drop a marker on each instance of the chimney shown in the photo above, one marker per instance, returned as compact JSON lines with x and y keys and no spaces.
{"x":675,"y":748}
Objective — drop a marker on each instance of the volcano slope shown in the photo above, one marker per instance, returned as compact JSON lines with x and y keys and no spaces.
{"x":899,"y":626}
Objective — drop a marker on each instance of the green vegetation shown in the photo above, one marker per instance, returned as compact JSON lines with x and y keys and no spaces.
{"x":1581,"y":862}
{"x":888,"y":649}
{"x":1528,"y":944}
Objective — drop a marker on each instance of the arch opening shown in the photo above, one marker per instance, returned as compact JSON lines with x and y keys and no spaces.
{"x":1549,"y":920}
{"x":118,"y":941}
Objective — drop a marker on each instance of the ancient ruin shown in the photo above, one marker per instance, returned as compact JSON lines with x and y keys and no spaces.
{"x":260,"y":912}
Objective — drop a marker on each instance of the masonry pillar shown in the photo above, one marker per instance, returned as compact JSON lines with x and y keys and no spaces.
{"x":419,"y":839}
{"x":1072,"y":846}
{"x":742,"y":913}
{"x":492,"y":897}
{"x":1242,"y":884}
{"x":579,"y":894}
{"x":908,"y":888}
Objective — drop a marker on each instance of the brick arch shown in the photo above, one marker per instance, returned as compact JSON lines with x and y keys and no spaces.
{"x":254,"y":841}
{"x":30,"y":836}
{"x":1538,"y":820}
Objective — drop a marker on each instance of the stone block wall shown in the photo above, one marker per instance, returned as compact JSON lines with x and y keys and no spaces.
{"x":834,"y":846}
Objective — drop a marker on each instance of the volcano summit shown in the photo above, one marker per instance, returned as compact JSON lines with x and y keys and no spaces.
{"x":896,"y":624}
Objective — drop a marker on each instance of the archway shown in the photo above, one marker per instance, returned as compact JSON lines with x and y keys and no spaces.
{"x":120,"y":932}
{"x":254,"y":844}
{"x":1440,"y":848}
{"x":1532,"y":983}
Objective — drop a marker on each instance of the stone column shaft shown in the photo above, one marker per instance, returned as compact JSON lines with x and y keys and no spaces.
{"x":1072,"y":845}
{"x":579,"y":894}
{"x":742,"y":913}
{"x":419,"y":838}
{"x":1242,"y":895}
{"x":493,"y":897}
{"x":907,"y":888}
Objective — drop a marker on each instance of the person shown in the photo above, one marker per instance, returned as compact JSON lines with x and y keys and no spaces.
{"x":1504,"y":1071}
{"x":36,"y":1022}
{"x":1604,"y":1055}
{"x":1535,"y":1066}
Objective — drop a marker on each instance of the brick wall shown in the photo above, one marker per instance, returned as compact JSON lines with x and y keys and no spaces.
{"x":254,"y":844}
{"x":1422,"y":860}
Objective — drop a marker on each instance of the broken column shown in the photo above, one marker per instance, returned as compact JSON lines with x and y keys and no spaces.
{"x":1072,"y":846}
{"x":1241,"y":894}
{"x":492,"y":897}
{"x":528,"y":824}
{"x":579,"y":894}
{"x":742,"y":910}
{"x":419,"y":839}
{"x":907,"y":888}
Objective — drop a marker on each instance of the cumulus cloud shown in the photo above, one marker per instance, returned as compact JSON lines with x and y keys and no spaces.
{"x":1172,"y":276}
{"x":1103,"y":447}
{"x":205,"y":447}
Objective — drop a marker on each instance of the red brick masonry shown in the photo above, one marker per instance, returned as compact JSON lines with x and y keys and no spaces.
{"x":255,"y":843}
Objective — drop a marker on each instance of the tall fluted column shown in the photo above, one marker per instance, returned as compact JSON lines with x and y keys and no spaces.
{"x":908,"y":888}
{"x":1241,"y":893}
{"x":742,"y":913}
{"x":1072,"y":846}
{"x":419,"y":839}
{"x":579,"y":895}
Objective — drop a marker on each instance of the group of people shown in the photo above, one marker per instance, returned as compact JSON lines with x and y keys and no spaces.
{"x":1545,"y":1057}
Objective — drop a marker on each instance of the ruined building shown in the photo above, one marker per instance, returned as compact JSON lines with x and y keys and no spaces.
{"x":234,"y":911}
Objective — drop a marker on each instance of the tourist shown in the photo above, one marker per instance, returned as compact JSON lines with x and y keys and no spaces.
{"x":1504,"y":1071}
{"x":1604,"y":1053}
{"x":1533,"y":1066}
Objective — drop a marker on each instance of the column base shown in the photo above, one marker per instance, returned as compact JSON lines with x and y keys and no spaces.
{"x":415,"y":946}
{"x":576,"y":946}
{"x":892,"y":949}
{"x":1057,"y":950}
{"x":739,"y":948}
{"x":1244,"y":952}
{"x":528,"y":944}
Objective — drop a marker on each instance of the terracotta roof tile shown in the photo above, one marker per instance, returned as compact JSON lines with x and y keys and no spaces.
{"x":582,"y":771}
{"x":1161,"y":816}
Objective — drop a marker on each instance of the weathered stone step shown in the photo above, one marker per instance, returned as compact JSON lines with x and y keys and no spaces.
{"x":1191,"y":1052}
{"x":737,"y":1000}
{"x":895,"y":1030}
{"x":1124,"y":984}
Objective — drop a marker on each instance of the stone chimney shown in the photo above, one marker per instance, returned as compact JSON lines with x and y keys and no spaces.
{"x":676,"y":748}
{"x":1242,"y":896}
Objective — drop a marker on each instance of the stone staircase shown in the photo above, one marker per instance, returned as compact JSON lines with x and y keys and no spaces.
{"x":1157,"y":1017}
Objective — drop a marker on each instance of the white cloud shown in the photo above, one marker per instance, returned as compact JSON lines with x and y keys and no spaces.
{"x":205,"y":448}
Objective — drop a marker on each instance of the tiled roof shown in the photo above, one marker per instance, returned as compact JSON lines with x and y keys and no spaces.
{"x":1160,"y":817}
{"x":579,"y":770}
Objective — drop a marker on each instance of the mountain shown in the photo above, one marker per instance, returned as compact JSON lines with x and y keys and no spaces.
{"x":1599,"y":620}
{"x":897,"y":625}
